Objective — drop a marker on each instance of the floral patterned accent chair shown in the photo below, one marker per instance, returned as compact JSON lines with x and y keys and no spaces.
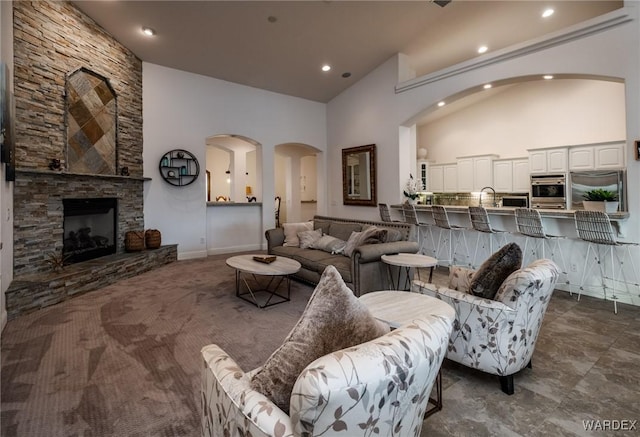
{"x":497,"y":336}
{"x":380,"y":387}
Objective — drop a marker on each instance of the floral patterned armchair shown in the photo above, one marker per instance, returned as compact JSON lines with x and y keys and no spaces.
{"x":380,"y":387}
{"x":497,"y":336}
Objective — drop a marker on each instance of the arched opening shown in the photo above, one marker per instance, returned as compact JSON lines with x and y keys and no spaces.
{"x":296,"y":181}
{"x":234,"y":169}
{"x":508,"y":117}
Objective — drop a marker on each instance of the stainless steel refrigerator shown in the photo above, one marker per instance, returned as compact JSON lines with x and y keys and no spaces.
{"x":583,"y":181}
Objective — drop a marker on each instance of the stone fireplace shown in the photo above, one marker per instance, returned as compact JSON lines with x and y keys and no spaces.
{"x":78,"y":136}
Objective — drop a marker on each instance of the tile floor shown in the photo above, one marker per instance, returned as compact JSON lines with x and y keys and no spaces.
{"x":586,"y":366}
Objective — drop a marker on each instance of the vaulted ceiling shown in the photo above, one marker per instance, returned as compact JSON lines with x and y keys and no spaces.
{"x":281,"y":46}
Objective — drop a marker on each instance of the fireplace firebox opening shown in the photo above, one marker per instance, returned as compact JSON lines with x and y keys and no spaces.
{"x":89,"y":228}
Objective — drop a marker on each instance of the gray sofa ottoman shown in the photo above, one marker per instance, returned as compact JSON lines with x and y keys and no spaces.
{"x":363,"y":271}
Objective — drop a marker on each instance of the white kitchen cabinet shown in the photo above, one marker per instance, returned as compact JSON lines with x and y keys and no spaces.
{"x":450,"y":178}
{"x":608,"y":156}
{"x":503,"y":175}
{"x":475,"y":172}
{"x":597,"y":157}
{"x":581,"y":158}
{"x":511,"y":175}
{"x":483,"y":171}
{"x":521,"y":179}
{"x":436,"y":179}
{"x":465,"y":174}
{"x":548,"y":160}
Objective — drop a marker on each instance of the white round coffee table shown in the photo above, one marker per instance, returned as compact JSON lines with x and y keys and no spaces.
{"x":277,"y":271}
{"x":408,"y":261}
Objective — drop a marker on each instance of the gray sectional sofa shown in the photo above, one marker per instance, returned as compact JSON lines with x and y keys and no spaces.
{"x":363,"y":271}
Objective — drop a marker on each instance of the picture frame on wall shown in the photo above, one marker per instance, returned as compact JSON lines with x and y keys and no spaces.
{"x":637,"y":150}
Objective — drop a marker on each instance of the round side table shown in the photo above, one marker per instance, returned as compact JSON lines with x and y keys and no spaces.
{"x":405,"y":262}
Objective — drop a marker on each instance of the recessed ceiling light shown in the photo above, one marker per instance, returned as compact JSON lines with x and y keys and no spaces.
{"x":482,"y":49}
{"x":272,"y":19}
{"x":346,"y":74}
{"x":487,"y":86}
{"x":547,"y":76}
{"x":326,"y":67}
{"x":148,"y":31}
{"x":441,"y":103}
{"x":547,"y":13}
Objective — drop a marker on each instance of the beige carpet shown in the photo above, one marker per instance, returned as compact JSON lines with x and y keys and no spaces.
{"x":125,"y":360}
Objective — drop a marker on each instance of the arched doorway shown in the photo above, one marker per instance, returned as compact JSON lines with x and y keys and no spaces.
{"x":296,"y":181}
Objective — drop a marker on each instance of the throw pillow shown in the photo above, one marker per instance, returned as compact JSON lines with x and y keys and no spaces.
{"x":334,"y":319}
{"x":329,"y":244}
{"x":492,"y":273}
{"x":307,"y":238}
{"x":371,"y":235}
{"x":460,"y":279}
{"x":291,"y":232}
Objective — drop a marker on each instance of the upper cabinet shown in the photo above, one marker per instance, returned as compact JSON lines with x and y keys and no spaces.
{"x":436,"y":179}
{"x":548,"y":160}
{"x":597,"y":157}
{"x":450,"y":178}
{"x":475,"y":172}
{"x":443,"y":178}
{"x":511,"y":175}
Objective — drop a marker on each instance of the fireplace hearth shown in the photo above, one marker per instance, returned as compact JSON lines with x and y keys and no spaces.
{"x":89,"y":228}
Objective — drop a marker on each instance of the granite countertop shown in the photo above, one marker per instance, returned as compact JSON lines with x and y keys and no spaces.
{"x":507,"y":210}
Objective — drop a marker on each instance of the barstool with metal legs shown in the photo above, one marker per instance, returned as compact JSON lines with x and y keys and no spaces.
{"x":385,"y":213}
{"x":411,"y":217}
{"x":529,"y":224}
{"x":453,"y":235}
{"x":595,"y":228}
{"x":480,"y":222}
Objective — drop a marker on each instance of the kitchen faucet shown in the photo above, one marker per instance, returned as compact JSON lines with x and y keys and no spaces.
{"x":494,"y":204}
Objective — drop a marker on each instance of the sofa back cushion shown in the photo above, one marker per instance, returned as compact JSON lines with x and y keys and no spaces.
{"x":343,"y":230}
{"x":291,"y":232}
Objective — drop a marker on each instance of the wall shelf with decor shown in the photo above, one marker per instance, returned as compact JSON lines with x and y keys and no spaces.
{"x":179,"y":167}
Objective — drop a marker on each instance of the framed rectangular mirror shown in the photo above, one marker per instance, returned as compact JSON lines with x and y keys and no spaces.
{"x":359,"y":176}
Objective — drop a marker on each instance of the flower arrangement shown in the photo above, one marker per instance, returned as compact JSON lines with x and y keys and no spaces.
{"x":411,"y":188}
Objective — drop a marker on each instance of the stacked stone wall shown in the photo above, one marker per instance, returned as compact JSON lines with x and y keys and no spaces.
{"x":53,"y":39}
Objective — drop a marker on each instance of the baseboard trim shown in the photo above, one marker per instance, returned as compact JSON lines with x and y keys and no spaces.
{"x":233,"y":249}
{"x":182,"y":256}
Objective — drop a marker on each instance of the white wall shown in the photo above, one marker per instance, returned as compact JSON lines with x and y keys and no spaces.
{"x":181,"y":110}
{"x":6,"y":188}
{"x":533,"y":114}
{"x":365,"y":114}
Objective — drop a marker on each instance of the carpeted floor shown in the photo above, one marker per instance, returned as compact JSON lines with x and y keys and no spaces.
{"x":125,"y":360}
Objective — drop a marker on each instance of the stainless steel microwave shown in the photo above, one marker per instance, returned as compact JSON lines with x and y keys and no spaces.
{"x":516,"y":201}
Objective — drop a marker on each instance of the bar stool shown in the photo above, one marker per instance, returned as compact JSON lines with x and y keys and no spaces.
{"x":385,"y":213}
{"x":453,"y":235}
{"x":529,"y":224}
{"x":480,"y":222}
{"x":411,"y":217}
{"x":595,"y":228}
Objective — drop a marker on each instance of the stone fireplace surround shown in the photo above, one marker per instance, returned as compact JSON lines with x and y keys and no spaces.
{"x":38,"y":234}
{"x":51,"y":41}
